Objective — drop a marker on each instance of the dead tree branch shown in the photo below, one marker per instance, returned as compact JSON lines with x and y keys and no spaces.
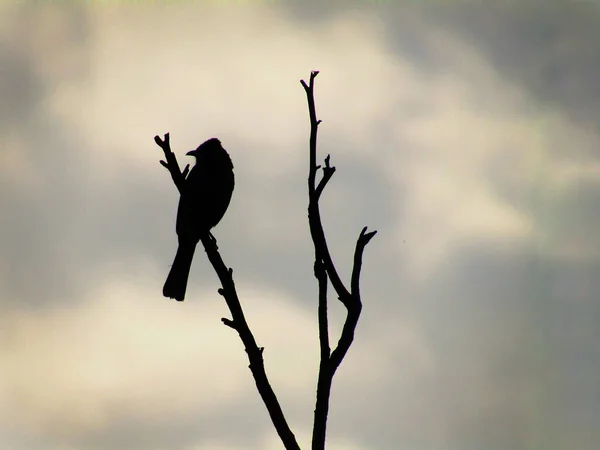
{"x":238,"y":321}
{"x":325,"y":268}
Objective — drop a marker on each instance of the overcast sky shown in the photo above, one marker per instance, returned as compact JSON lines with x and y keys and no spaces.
{"x":467,"y":135}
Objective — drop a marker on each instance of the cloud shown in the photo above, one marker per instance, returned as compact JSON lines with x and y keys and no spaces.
{"x":116,"y":357}
{"x":479,"y":289}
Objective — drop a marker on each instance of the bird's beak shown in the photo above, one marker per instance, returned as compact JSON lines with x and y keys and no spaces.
{"x":191,"y":153}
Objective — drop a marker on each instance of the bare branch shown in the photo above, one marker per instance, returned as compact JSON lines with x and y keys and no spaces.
{"x":228,"y":322}
{"x":355,"y":305}
{"x":314,"y":215}
{"x":324,"y":380}
{"x":324,"y":263}
{"x":171,"y":164}
{"x":321,"y":276}
{"x":257,"y":366}
{"x":361,"y":243}
{"x":228,"y":291}
{"x":347,"y":336}
{"x":328,"y":172}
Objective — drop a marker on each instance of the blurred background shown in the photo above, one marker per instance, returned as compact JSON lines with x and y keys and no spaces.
{"x":466,"y":133}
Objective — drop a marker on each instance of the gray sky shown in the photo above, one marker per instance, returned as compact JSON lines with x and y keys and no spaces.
{"x":468,"y":135}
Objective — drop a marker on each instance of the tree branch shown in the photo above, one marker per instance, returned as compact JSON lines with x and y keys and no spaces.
{"x":171,"y":162}
{"x":361,"y":243}
{"x":314,"y":215}
{"x":238,"y":321}
{"x":321,"y":276}
{"x":350,"y":299}
{"x":324,"y":380}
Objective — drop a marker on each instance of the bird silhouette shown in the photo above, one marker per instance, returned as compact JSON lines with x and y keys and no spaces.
{"x":202,"y":204}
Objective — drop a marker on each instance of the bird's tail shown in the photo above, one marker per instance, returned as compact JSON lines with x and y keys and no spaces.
{"x":176,"y":283}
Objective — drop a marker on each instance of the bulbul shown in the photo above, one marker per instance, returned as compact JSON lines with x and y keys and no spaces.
{"x":204,"y":199}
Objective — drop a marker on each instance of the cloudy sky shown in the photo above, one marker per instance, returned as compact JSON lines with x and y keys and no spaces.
{"x":467,"y":135}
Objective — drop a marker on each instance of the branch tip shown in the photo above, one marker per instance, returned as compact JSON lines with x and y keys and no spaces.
{"x":366,"y":237}
{"x":229,"y":323}
{"x":164,"y":142}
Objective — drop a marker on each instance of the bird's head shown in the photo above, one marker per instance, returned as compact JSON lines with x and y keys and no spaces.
{"x":208,"y":146}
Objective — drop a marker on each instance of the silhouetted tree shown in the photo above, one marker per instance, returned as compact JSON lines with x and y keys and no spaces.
{"x":324,"y":270}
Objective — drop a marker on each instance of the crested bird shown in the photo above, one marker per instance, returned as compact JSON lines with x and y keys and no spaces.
{"x":202,"y":204}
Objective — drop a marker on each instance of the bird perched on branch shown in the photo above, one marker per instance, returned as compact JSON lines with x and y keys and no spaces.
{"x":202,"y":204}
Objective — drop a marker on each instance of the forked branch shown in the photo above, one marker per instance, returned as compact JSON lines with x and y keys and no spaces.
{"x":325,"y":268}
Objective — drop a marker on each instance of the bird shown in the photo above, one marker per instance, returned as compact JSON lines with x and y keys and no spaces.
{"x":204,"y":199}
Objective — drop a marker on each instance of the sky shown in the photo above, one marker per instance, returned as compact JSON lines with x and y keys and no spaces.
{"x":466,"y":133}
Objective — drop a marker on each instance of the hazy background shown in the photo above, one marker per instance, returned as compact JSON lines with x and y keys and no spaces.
{"x":466,"y":134}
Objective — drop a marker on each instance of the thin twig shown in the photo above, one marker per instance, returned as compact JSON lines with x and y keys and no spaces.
{"x":238,"y":321}
{"x":361,"y":243}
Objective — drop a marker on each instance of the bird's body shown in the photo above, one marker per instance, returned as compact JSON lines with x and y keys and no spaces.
{"x":202,"y":204}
